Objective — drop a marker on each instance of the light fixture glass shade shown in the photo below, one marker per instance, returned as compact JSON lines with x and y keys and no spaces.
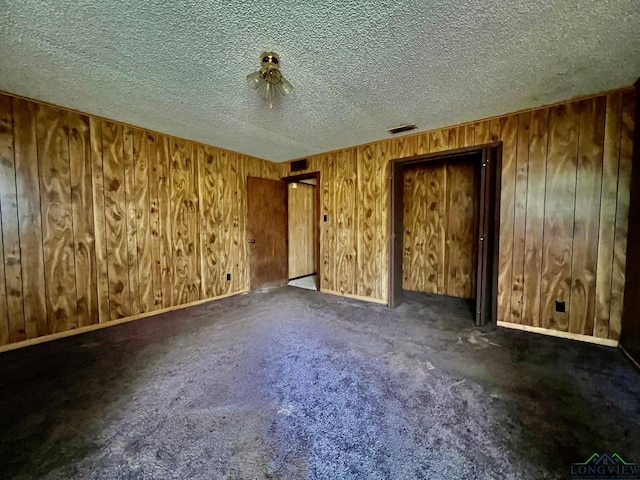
{"x":284,"y":86}
{"x":254,"y":79}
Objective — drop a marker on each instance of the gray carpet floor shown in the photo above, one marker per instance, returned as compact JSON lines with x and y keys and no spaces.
{"x":290,"y":383}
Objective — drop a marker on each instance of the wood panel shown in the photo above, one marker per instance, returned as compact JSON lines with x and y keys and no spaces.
{"x":560,"y":200}
{"x":83,"y":229}
{"x":302,"y":219}
{"x":622,"y":214}
{"x":115,"y":209}
{"x":368,"y":222}
{"x":56,"y":211}
{"x":99,"y":220}
{"x":533,"y":242}
{"x":586,"y":223}
{"x":30,"y":221}
{"x":519,"y":217}
{"x":10,"y":231}
{"x":184,"y":223}
{"x":155,"y":174}
{"x":607,"y":220}
{"x":164,"y":220}
{"x":130,"y":219}
{"x":509,"y":131}
{"x":346,"y":220}
{"x":142,"y":218}
{"x":327,"y":232}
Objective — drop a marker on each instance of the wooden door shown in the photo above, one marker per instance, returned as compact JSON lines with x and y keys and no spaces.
{"x":267,"y":232}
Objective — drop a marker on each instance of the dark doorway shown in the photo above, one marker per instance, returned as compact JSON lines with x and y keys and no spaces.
{"x":267,"y":232}
{"x":453,"y":222}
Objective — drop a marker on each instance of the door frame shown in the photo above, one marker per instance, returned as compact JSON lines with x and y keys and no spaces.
{"x":296,"y":179}
{"x":490,"y":157}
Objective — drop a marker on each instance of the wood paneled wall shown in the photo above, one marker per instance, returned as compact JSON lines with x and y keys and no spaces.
{"x":302,"y":224}
{"x":440,"y":241}
{"x":564,"y":208}
{"x":102,"y":221}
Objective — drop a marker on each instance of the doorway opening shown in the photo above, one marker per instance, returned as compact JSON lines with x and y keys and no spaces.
{"x":444,"y":219}
{"x":303,"y":207}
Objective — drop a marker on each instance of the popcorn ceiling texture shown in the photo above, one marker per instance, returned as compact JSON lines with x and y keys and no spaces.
{"x":358,"y":67}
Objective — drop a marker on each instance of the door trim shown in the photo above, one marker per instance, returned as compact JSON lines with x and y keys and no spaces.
{"x":490,"y":156}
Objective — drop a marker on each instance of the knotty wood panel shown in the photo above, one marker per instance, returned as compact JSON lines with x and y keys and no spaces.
{"x":302,"y":228}
{"x":130,"y":219}
{"x":9,"y":217}
{"x":327,"y":232}
{"x":441,"y":202}
{"x":586,"y":222}
{"x":83,"y":229}
{"x":227,"y":197}
{"x":30,"y":220}
{"x":559,"y":214}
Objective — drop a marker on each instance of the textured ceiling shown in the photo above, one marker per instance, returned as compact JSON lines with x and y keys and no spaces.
{"x":358,"y":67}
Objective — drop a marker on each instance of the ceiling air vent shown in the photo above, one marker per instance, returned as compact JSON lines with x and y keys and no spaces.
{"x":402,"y":128}
{"x":299,"y":165}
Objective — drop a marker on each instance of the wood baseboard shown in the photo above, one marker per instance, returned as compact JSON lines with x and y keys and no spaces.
{"x":355,"y":297}
{"x":556,"y":333}
{"x":111,"y":323}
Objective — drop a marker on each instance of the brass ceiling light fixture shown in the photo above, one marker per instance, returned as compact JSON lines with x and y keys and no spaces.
{"x":268,"y":81}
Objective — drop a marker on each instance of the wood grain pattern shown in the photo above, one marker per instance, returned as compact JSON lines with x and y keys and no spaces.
{"x":184,"y":223}
{"x":607,"y":220}
{"x":131,"y":224}
{"x":99,"y":220}
{"x":622,"y":214}
{"x":440,"y":227}
{"x":30,"y":221}
{"x":143,"y":224}
{"x":83,"y":229}
{"x":536,"y":185}
{"x":559,"y":214}
{"x":346,"y":219}
{"x":327,"y":230}
{"x":156,"y":241}
{"x":462,"y":228}
{"x":164,"y":220}
{"x":302,"y":227}
{"x":587,"y":211}
{"x":10,"y":230}
{"x":57,"y":202}
{"x":519,"y":217}
{"x":368,"y":221}
{"x":57,"y":221}
{"x":115,"y":208}
{"x":509,"y":130}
